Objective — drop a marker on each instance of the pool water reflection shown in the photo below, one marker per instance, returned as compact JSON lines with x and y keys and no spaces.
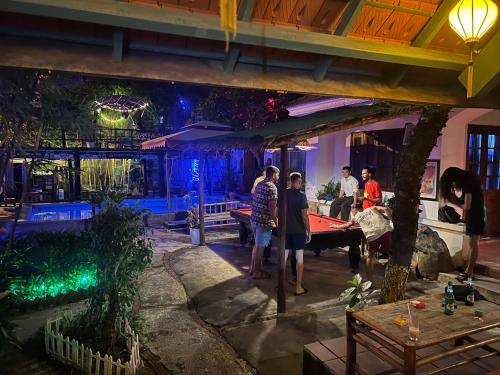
{"x":83,"y":210}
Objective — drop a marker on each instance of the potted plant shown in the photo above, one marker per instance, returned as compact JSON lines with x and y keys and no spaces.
{"x":326,"y":194}
{"x":358,"y":294}
{"x":329,"y":191}
{"x":193,"y":222}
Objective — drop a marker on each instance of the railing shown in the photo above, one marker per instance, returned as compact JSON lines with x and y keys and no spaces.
{"x":72,"y":353}
{"x":219,"y":213}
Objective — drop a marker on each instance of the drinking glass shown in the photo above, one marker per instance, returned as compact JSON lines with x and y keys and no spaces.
{"x":413,"y":327}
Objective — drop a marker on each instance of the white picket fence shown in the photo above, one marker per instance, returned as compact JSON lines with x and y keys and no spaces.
{"x":72,"y":353}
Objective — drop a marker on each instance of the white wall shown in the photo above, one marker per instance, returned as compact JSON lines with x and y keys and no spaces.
{"x":333,"y":150}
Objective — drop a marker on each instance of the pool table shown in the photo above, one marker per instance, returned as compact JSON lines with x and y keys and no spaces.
{"x":322,"y":236}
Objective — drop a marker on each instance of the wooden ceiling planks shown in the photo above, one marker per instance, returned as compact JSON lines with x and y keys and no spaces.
{"x":329,"y":15}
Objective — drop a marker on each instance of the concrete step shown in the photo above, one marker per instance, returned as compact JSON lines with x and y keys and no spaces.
{"x":488,"y":268}
{"x":488,"y":287}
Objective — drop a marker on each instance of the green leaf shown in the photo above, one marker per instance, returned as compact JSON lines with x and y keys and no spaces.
{"x":366,"y":285}
{"x":346,"y":293}
{"x":356,"y":280}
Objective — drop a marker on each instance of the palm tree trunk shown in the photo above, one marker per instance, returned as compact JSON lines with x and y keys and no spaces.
{"x":407,"y":199}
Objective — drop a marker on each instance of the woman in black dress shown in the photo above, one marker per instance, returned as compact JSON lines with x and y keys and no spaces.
{"x":463,"y":189}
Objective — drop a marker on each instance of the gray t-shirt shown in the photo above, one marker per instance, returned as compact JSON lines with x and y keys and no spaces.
{"x":296,"y":201}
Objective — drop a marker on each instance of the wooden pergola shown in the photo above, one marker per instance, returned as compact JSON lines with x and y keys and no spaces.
{"x":382,"y":49}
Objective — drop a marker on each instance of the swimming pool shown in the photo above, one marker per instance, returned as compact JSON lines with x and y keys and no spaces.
{"x":83,"y":210}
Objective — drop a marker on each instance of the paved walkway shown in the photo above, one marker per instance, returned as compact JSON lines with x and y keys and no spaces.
{"x":243,"y":311}
{"x":178,"y":341}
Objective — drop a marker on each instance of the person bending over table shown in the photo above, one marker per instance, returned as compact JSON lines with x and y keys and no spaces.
{"x":373,"y":194}
{"x":348,"y":196}
{"x":463,"y":189}
{"x":375,"y":222}
{"x":264,"y":218}
{"x":298,"y":231}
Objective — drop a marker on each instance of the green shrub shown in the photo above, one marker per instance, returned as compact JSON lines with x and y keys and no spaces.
{"x":44,"y":264}
{"x":120,"y":252}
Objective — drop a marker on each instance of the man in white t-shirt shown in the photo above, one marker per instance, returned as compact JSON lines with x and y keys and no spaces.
{"x":348,"y":196}
{"x":375,"y":222}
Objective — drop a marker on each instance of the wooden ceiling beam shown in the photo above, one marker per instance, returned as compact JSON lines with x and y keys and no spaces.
{"x":95,"y":60}
{"x":426,"y":36}
{"x":345,"y":25}
{"x":244,"y":14}
{"x":486,"y":68}
{"x":169,"y":50}
{"x":170,"y":21}
{"x":117,"y":45}
{"x":399,"y":8}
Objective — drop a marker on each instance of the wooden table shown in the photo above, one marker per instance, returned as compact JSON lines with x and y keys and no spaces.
{"x":373,"y":328}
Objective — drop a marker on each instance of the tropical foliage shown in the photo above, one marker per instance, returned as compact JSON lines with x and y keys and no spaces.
{"x":49,"y":264}
{"x":329,"y":191}
{"x":193,"y":218}
{"x":120,"y":253}
{"x":241,"y":108}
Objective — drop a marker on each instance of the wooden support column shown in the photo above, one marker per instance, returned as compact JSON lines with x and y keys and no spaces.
{"x":168,"y":172}
{"x":228,"y":173}
{"x":78,"y":182}
{"x":162,"y":165}
{"x":201,"y":197}
{"x":282,"y":227}
{"x":71,"y":180}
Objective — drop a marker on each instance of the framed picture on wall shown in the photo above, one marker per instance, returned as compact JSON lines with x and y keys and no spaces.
{"x":430,"y":180}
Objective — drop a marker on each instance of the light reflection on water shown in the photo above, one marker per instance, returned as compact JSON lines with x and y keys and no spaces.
{"x":83,"y":210}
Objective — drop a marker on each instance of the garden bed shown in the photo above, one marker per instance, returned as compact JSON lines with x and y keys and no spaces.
{"x":71,"y":352}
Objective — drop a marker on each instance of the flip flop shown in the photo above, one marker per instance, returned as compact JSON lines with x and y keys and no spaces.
{"x":304,"y":292}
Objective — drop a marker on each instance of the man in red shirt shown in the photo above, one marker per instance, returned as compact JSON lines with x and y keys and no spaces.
{"x":373,"y":194}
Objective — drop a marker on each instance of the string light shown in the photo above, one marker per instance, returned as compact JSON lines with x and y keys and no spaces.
{"x":122,"y":104}
{"x":111,"y":120}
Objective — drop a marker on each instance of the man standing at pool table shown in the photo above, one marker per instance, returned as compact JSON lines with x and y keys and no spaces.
{"x":264,"y":218}
{"x":298,"y":231}
{"x":373,"y":194}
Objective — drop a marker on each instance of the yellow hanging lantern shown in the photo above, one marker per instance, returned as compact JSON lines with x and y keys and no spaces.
{"x":471,"y":19}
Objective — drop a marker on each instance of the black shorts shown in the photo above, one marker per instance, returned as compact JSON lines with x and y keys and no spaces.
{"x":295,"y":241}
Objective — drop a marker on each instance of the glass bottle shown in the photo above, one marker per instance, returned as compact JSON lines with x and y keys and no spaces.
{"x":469,"y":299}
{"x":449,"y":300}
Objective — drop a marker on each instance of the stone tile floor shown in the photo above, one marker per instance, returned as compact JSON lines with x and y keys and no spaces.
{"x":202,"y":314}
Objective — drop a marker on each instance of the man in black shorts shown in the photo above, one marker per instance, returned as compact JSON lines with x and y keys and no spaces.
{"x":298,"y":232}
